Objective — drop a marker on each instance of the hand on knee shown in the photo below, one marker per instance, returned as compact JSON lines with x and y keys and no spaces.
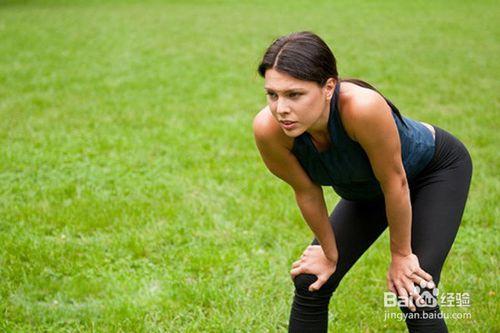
{"x":303,"y":281}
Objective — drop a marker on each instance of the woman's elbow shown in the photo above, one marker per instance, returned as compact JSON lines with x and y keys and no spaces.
{"x":395,"y":185}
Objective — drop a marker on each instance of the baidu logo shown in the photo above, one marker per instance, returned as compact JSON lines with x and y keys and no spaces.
{"x":428,"y":298}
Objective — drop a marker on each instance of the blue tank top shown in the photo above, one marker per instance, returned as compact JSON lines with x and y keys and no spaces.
{"x":345,"y":165}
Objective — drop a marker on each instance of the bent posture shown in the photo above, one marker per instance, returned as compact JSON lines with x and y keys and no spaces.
{"x":388,"y":169}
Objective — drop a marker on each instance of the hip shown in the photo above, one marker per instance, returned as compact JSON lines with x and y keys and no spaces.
{"x":449,"y":153}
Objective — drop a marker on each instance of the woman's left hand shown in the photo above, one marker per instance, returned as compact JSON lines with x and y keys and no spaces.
{"x":403,"y":272}
{"x":314,"y":261}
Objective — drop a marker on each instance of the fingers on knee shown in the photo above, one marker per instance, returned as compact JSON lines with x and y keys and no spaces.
{"x":428,"y":301}
{"x":303,"y":281}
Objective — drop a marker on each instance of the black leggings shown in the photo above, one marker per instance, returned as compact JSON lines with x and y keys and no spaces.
{"x":438,"y":195}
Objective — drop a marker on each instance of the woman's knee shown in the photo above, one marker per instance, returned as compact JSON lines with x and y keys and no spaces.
{"x":428,"y":301}
{"x":303,"y":281}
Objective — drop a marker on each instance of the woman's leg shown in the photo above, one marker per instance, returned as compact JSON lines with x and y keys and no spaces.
{"x":438,"y":198}
{"x":356,"y":226}
{"x":438,"y":195}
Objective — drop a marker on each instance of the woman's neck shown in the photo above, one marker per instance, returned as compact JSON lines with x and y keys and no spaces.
{"x":320,"y":133}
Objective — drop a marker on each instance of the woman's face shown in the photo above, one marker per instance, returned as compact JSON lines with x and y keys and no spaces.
{"x":302,"y":103}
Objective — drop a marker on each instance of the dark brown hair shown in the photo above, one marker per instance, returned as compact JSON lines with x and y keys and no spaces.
{"x":305,"y":56}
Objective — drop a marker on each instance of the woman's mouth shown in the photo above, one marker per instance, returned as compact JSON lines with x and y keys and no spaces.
{"x":288,"y":125}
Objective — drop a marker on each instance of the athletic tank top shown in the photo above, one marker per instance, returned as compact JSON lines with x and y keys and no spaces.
{"x":345,"y":165}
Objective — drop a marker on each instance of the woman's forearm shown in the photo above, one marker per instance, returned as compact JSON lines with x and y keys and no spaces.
{"x":313,"y":207}
{"x":399,"y":216}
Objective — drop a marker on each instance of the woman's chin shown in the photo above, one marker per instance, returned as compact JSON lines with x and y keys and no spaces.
{"x":293,"y":133}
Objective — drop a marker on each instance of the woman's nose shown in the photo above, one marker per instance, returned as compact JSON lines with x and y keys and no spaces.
{"x":282,"y":106}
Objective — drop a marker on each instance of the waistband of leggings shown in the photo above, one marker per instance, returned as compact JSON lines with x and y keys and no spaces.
{"x":447,"y":149}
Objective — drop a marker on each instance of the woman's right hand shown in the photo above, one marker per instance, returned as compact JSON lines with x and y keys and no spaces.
{"x":314,"y":261}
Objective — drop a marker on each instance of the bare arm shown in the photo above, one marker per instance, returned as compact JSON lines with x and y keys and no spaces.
{"x":314,"y":211}
{"x":283,"y":164}
{"x":375,"y":130}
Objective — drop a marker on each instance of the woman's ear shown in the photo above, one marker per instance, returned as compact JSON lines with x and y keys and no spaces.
{"x":329,"y":88}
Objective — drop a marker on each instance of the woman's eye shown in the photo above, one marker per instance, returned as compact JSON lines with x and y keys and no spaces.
{"x":271,"y":95}
{"x":294,"y":95}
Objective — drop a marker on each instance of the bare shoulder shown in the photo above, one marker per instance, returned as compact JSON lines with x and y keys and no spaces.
{"x":266,"y":128}
{"x":275,"y":149}
{"x":354,"y":101}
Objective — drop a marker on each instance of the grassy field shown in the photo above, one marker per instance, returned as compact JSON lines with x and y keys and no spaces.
{"x":133,"y":198}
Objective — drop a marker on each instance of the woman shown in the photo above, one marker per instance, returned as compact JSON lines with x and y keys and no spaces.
{"x":389,"y":170}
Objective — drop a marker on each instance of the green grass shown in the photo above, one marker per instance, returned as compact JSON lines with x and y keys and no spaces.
{"x":133,"y":198}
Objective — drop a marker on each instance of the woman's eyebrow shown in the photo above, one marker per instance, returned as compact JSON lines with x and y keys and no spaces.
{"x":286,"y":90}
